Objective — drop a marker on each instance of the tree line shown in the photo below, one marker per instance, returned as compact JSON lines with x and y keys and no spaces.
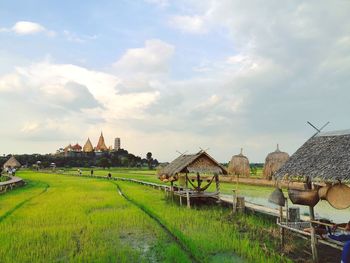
{"x":120,"y":158}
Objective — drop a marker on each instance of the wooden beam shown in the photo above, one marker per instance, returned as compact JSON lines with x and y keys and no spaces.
{"x":187,"y":193}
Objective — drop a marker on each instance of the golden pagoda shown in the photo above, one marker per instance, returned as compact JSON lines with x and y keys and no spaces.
{"x":88,"y":146}
{"x":101,"y":146}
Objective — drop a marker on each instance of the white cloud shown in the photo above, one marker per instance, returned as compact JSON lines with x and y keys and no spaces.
{"x":190,"y":24}
{"x":143,"y":69}
{"x":56,"y":102}
{"x":28,"y":28}
{"x":73,"y":37}
{"x":151,"y":59}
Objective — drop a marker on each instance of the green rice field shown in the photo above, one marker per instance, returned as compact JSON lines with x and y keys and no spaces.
{"x":62,"y":218}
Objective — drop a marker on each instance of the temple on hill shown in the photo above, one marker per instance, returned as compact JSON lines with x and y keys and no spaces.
{"x":78,"y":151}
{"x":88,"y":148}
{"x":101,"y":146}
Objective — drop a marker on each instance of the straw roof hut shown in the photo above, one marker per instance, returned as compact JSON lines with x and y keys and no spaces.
{"x":200,"y":162}
{"x":239,"y":165}
{"x":324,"y":157}
{"x":88,"y":146}
{"x":273,"y":162}
{"x":12,"y":163}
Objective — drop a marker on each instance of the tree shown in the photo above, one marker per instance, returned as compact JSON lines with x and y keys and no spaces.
{"x":149,"y":159}
{"x":104,"y":162}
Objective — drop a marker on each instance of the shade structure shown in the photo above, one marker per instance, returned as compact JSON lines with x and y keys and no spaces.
{"x":12,"y":163}
{"x":200,"y":162}
{"x":324,"y":157}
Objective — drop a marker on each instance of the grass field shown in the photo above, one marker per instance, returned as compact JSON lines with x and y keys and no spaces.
{"x":59,"y":218}
{"x":63,"y":219}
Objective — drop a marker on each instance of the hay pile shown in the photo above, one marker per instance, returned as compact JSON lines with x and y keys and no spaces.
{"x":239,"y":165}
{"x":273,"y":162}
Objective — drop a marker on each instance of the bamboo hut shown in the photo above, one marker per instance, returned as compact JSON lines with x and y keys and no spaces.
{"x":12,"y":163}
{"x":239,"y":165}
{"x":198,"y":171}
{"x":324,"y":159}
{"x":273,"y":162}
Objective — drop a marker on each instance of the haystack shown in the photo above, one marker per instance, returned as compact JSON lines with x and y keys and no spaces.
{"x":239,"y":165}
{"x":12,"y":163}
{"x":273,"y":162}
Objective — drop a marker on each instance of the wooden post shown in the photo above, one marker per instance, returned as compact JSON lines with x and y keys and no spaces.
{"x":287,"y":211}
{"x":217,"y":184}
{"x":234,"y":201}
{"x":187,"y":193}
{"x":313,"y":234}
{"x":281,"y":229}
{"x":240,"y":204}
{"x":281,"y":235}
{"x":198,"y":182}
{"x":180,"y":200}
{"x":172,"y":190}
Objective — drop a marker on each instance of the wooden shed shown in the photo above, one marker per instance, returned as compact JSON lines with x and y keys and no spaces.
{"x":197,"y":172}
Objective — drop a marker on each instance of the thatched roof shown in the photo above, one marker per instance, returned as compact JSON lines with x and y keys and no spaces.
{"x":200,"y":162}
{"x":325,"y":156}
{"x":274,"y":161}
{"x":239,"y":165}
{"x":12,"y":163}
{"x":88,"y":146}
{"x":101,"y":146}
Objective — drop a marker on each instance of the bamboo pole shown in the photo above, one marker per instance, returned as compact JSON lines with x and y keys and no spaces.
{"x":234,"y":201}
{"x":313,"y":233}
{"x":187,"y":193}
{"x":217,"y":184}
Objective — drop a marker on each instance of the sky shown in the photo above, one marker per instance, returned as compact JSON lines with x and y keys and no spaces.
{"x":172,"y":76}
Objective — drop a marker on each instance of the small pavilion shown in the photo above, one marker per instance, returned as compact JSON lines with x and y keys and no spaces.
{"x":195,"y":173}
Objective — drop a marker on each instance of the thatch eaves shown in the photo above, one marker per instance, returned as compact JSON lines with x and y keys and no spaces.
{"x":200,"y":162}
{"x":12,"y":163}
{"x":325,"y":156}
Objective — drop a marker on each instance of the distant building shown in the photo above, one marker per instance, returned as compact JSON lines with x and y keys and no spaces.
{"x":116,"y":144}
{"x":88,"y":149}
{"x":101,"y":145}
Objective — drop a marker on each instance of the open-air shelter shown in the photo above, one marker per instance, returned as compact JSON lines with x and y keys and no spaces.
{"x":323,"y":162}
{"x":195,"y":173}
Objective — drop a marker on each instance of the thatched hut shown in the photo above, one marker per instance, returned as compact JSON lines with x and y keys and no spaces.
{"x":239,"y":165}
{"x":197,"y":171}
{"x":324,"y":159}
{"x":273,"y":162}
{"x":12,"y":163}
